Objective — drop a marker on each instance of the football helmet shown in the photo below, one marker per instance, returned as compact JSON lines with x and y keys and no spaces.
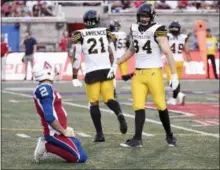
{"x":145,"y":10}
{"x":114,"y":26}
{"x":91,"y":19}
{"x":44,"y":71}
{"x":174,"y":28}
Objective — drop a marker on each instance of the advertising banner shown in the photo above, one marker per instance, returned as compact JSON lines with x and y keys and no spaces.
{"x":15,"y":69}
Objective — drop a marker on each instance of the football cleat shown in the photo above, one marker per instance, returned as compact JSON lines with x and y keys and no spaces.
{"x":132,"y":143}
{"x":171,"y":140}
{"x":99,"y":138}
{"x":123,"y":124}
{"x":40,"y":149}
{"x":181,"y":97}
{"x":171,"y":101}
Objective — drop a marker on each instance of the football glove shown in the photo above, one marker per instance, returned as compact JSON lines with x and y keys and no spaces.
{"x":174,"y":82}
{"x":76,"y":83}
{"x":112,"y":71}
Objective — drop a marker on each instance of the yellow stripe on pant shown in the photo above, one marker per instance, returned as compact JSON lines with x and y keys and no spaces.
{"x":105,"y":88}
{"x":148,"y":81}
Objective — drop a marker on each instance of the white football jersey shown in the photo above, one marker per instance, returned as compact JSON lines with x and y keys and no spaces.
{"x":148,"y":53}
{"x":95,"y":49}
{"x":121,"y":43}
{"x":177,"y":45}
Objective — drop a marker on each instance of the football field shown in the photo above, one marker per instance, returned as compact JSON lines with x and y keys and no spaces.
{"x":195,"y":125}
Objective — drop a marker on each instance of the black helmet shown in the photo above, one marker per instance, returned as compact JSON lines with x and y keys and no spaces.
{"x":91,"y":19}
{"x":146,"y":10}
{"x":114,"y":26}
{"x":174,"y":28}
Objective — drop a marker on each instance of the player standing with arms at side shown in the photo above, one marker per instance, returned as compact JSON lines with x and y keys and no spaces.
{"x":148,"y":39}
{"x":121,"y":45}
{"x":95,"y":43}
{"x":178,"y":43}
{"x":58,"y":139}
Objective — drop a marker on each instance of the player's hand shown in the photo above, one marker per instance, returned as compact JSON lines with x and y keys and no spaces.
{"x":112,"y":71}
{"x":69,"y":132}
{"x":174,"y":82}
{"x":76,"y":83}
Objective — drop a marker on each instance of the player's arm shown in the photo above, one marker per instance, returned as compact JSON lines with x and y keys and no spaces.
{"x":162,"y":40}
{"x":128,"y":54}
{"x":76,"y":58}
{"x":186,"y":49}
{"x":45,"y":95}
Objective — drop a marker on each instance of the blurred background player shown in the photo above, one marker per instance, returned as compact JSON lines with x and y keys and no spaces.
{"x":94,"y":43}
{"x":4,"y":53}
{"x":121,"y":45}
{"x":148,"y":40}
{"x":211,"y":43}
{"x":58,"y":139}
{"x":178,"y":43}
{"x":30,"y":45}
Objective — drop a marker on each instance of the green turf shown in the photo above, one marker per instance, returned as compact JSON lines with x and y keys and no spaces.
{"x":194,"y":151}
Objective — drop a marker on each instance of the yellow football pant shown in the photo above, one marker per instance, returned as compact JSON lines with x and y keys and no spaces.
{"x":179,"y":69}
{"x":145,"y":81}
{"x":105,"y":88}
{"x":123,"y":68}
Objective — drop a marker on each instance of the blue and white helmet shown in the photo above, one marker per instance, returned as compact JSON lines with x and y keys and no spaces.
{"x":44,"y":71}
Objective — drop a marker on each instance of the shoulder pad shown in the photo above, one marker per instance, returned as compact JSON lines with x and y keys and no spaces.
{"x":161,"y":31}
{"x":77,"y":37}
{"x":110,"y":36}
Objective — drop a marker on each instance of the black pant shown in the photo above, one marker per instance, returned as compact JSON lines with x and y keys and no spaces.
{"x":212,"y":58}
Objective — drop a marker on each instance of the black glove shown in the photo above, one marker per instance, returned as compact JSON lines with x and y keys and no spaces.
{"x":127,"y":76}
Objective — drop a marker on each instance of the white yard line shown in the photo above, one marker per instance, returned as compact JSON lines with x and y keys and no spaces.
{"x":83,"y":134}
{"x":127,"y":115}
{"x":23,"y":135}
{"x":13,"y":101}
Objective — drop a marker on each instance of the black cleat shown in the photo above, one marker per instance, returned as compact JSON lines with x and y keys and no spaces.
{"x":171,"y":140}
{"x":123,"y":124}
{"x":99,"y":138}
{"x":132,"y":143}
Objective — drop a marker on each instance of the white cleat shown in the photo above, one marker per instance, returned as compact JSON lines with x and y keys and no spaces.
{"x":40,"y":149}
{"x":181,"y":98}
{"x":171,"y":101}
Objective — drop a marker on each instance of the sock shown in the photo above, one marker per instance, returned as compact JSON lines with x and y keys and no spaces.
{"x":164,"y":117}
{"x":96,"y":118}
{"x":139,"y":123}
{"x":176,"y":92}
{"x":114,"y":106}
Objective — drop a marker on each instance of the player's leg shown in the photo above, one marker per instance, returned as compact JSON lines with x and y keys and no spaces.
{"x":3,"y":64}
{"x":173,"y":100}
{"x":156,"y":88}
{"x":32,"y":65}
{"x":114,"y":82}
{"x":124,"y":71}
{"x":139,"y":94}
{"x":108,"y":97}
{"x":93,"y":93}
{"x":66,"y":147}
{"x":25,"y":60}
{"x":181,"y":97}
{"x":212,"y":58}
